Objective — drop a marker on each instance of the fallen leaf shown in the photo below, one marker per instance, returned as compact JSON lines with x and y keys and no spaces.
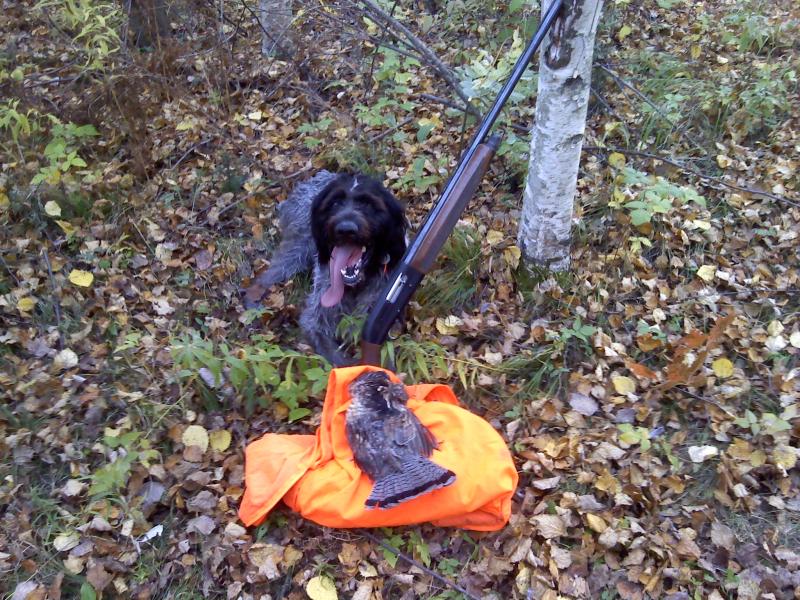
{"x":202,"y":524}
{"x":321,"y":587}
{"x":722,"y":368}
{"x":81,"y":278}
{"x":700,"y":454}
{"x":583,"y":404}
{"x":66,"y":541}
{"x":66,"y":359}
{"x":784,"y":456}
{"x":195,"y":435}
{"x":26,"y":304}
{"x":794,"y":339}
{"x":549,"y":526}
{"x":706,"y":273}
{"x":52,"y":209}
{"x":220,"y":440}
{"x":623,"y":385}
{"x":596,"y":523}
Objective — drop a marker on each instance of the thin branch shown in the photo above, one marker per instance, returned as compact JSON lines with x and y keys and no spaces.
{"x":191,"y":149}
{"x":471,"y":111}
{"x":420,"y":566}
{"x":624,"y":84}
{"x":383,"y":134}
{"x":56,"y":299}
{"x":695,"y":172}
{"x":431,"y":58}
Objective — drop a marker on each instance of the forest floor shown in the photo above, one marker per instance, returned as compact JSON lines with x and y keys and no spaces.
{"x":650,"y":396}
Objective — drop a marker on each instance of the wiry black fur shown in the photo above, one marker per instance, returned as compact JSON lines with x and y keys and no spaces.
{"x":308,"y":220}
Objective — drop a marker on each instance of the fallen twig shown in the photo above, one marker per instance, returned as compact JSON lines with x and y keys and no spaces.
{"x":429,"y":56}
{"x":695,"y":172}
{"x":56,"y":299}
{"x":420,"y":566}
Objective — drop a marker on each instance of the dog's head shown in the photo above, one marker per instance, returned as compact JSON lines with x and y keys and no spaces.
{"x":359,"y":229}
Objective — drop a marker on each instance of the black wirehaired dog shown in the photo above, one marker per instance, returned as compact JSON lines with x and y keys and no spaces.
{"x":352,"y":231}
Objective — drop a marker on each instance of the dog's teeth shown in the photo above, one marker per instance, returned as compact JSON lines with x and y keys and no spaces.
{"x":363,"y":249}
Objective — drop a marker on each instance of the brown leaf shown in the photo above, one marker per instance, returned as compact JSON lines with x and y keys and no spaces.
{"x":202,"y":260}
{"x":98,"y":577}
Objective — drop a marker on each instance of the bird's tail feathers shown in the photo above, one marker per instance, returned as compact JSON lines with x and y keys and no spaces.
{"x":418,"y":476}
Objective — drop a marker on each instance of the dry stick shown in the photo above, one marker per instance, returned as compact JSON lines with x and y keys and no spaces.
{"x":56,"y":300}
{"x":443,"y":70}
{"x":624,"y":84}
{"x":383,"y":134}
{"x":695,"y":172}
{"x":420,"y":566}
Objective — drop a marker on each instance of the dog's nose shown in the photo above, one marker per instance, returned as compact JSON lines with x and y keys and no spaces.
{"x":346,"y":228}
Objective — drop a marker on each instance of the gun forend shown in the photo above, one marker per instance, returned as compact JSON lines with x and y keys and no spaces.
{"x":422,"y":253}
{"x":433,"y":235}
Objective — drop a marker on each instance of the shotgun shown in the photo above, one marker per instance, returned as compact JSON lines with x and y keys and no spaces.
{"x":421,"y":254}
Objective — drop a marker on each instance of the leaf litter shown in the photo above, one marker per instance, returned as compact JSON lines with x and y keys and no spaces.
{"x":650,"y":397}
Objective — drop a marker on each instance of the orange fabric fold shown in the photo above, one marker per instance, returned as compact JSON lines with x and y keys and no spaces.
{"x":317,"y":476}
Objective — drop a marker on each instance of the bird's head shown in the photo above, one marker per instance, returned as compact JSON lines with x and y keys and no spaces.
{"x":375,"y":391}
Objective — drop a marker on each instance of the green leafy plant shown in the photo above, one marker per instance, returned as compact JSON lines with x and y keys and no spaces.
{"x":259,"y":372}
{"x":92,"y":24}
{"x":130,"y":448}
{"x":61,"y":151}
{"x":653,"y":195}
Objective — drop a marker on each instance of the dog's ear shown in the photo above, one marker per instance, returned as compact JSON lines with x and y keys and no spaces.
{"x":396,"y":236}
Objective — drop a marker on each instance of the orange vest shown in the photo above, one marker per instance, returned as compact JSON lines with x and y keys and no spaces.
{"x":316,"y":475}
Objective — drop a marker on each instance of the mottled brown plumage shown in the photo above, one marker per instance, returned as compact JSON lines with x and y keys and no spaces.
{"x":389,"y":443}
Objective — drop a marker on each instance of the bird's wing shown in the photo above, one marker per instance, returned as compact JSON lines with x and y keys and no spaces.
{"x":405,"y":433}
{"x":370,"y":450}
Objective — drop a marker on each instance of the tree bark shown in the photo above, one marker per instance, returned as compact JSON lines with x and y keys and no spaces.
{"x":276,"y":23}
{"x":565,"y":68}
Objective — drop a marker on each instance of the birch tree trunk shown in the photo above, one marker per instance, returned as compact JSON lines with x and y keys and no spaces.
{"x":565,"y":72}
{"x":276,"y":22}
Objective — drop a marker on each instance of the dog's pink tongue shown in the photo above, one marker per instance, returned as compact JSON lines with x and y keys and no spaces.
{"x":341,"y":257}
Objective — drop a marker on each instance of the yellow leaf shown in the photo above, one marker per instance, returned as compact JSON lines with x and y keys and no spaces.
{"x":616,"y":160}
{"x":596,"y":523}
{"x":723,"y":161}
{"x":52,"y":208}
{"x":195,"y":435}
{"x":784,"y":456}
{"x":630,"y":438}
{"x":494,"y":237}
{"x":3,"y":200}
{"x":624,"y":32}
{"x":722,"y":367}
{"x":220,"y":440}
{"x":81,"y":278}
{"x":185,"y":125}
{"x":255,"y":115}
{"x":26,"y":304}
{"x":449,"y":325}
{"x":321,"y":587}
{"x":775,"y":328}
{"x":67,"y":227}
{"x":706,"y":273}
{"x":607,"y":483}
{"x":512,"y":254}
{"x":794,"y":339}
{"x":695,"y":51}
{"x":623,"y":385}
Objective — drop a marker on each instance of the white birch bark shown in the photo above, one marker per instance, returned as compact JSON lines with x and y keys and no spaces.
{"x":276,"y":22}
{"x":565,"y":68}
